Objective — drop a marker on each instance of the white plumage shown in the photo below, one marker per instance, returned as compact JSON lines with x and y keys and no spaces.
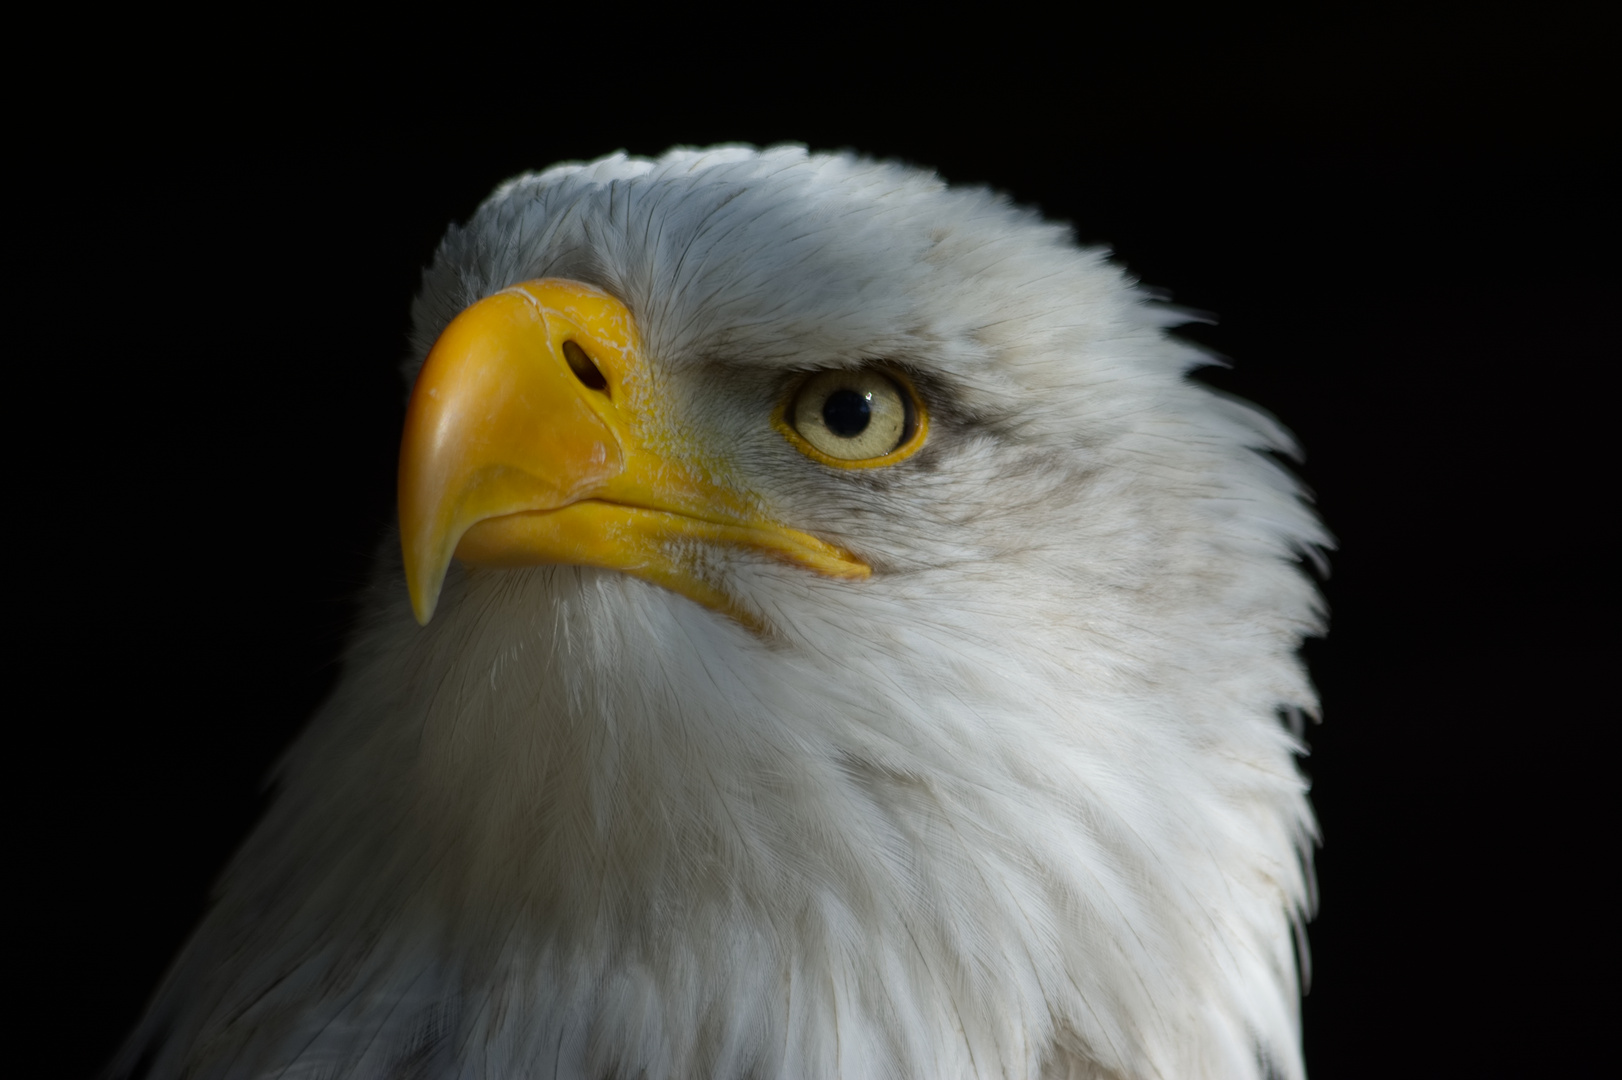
{"x":1019,"y":804}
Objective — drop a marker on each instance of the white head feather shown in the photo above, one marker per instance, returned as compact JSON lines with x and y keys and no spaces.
{"x":1020,"y":804}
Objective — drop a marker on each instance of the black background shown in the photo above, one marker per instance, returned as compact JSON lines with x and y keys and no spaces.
{"x":1405,"y":227}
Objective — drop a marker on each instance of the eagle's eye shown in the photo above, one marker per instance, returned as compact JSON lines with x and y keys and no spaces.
{"x":854,"y":418}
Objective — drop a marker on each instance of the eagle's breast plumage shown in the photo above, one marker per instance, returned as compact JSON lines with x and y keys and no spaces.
{"x":1017,"y":804}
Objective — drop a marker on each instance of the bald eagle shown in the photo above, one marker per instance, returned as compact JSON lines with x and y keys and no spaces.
{"x":828,"y":636}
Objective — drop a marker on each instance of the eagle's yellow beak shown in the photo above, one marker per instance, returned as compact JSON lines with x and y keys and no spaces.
{"x":530,"y":438}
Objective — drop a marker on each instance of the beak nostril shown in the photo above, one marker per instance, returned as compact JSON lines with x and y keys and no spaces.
{"x":587,"y":372}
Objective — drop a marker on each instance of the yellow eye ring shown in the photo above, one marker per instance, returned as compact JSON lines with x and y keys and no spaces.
{"x":854,"y":418}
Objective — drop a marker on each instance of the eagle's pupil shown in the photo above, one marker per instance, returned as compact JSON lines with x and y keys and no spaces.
{"x":846,"y":412}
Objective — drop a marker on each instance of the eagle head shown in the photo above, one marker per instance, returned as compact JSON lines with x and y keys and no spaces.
{"x":829,"y":635}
